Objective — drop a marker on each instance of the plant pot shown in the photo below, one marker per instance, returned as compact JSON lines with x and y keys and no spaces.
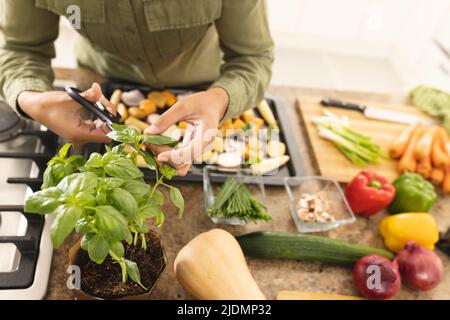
{"x":79,"y":294}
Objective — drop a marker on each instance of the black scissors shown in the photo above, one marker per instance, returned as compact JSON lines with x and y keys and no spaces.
{"x":97,"y":109}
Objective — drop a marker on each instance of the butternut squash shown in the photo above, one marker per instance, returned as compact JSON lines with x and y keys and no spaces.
{"x":212,"y":267}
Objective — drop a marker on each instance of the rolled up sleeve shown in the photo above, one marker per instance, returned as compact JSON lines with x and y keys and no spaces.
{"x":27,"y":49}
{"x":248,"y":53}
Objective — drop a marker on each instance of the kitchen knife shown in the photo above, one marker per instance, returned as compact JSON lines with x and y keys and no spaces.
{"x":378,"y":114}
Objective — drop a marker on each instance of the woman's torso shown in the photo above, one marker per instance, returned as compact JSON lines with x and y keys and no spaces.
{"x":157,"y":42}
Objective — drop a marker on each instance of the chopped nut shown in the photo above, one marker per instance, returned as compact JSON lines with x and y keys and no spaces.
{"x":312,"y":208}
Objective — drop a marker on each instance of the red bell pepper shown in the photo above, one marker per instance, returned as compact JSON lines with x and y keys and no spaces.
{"x":369,"y":193}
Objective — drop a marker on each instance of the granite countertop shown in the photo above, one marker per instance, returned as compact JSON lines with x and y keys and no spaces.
{"x":271,"y":275}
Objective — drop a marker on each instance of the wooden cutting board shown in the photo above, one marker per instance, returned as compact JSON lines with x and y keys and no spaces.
{"x":330,"y":161}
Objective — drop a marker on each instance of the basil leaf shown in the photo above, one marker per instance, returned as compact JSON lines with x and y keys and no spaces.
{"x":126,"y":135}
{"x":119,"y":148}
{"x":98,"y":249}
{"x":142,"y":228}
{"x":136,"y":188}
{"x":77,"y":182}
{"x":85,"y":199}
{"x":117,"y":248}
{"x":56,"y":171}
{"x":159,"y":219}
{"x":84,"y":243}
{"x":120,"y":136}
{"x":102,"y":197}
{"x":76,"y":161}
{"x":95,"y":161}
{"x":119,"y":127}
{"x":49,"y":179}
{"x":149,"y":160}
{"x":124,"y":201}
{"x":44,"y":202}
{"x":111,"y":183}
{"x":111,"y":223}
{"x":123,"y":168}
{"x":159,"y":140}
{"x":133,"y":272}
{"x":177,"y":200}
{"x":109,"y":156}
{"x":63,"y":151}
{"x":82,"y":226}
{"x":158,"y":197}
{"x":108,"y":148}
{"x":168,"y":171}
{"x":66,"y":217}
{"x":150,"y":209}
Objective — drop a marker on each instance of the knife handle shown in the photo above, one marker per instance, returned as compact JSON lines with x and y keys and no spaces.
{"x":328,"y":102}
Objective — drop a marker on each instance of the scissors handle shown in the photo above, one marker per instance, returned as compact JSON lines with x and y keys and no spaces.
{"x":104,"y":115}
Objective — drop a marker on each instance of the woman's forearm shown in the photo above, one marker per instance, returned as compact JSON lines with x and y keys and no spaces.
{"x":25,"y":55}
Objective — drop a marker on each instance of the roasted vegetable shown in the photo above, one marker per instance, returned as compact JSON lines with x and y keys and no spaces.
{"x":137,"y":113}
{"x":171,"y":99}
{"x":148,"y":106}
{"x":136,"y":123}
{"x":115,"y":97}
{"x":267,"y":114}
{"x":276,"y":149}
{"x":158,"y":98}
{"x":123,"y":111}
{"x":267,"y":165}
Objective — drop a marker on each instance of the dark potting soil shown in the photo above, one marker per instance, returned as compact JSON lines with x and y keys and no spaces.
{"x":105,"y":280}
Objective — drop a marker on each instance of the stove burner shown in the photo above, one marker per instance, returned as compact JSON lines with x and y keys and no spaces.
{"x":28,"y":245}
{"x":10,"y":123}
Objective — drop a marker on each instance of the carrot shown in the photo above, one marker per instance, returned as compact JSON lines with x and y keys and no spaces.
{"x":439,"y":155}
{"x":446,"y":182}
{"x":424,"y":169}
{"x":407,"y":161}
{"x":437,"y":176}
{"x":422,"y":150}
{"x":398,"y":147}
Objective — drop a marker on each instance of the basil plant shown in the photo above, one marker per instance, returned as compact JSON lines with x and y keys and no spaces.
{"x":106,"y":198}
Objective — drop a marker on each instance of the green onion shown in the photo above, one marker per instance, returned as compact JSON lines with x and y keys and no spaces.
{"x":234,"y":200}
{"x":357,"y":147}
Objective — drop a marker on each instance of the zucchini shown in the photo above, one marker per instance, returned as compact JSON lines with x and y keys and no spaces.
{"x":282,"y":245}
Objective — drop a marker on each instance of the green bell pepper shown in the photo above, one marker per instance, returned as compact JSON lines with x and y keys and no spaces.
{"x":413,"y":194}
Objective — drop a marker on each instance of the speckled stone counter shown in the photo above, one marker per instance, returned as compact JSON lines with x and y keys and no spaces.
{"x":271,"y":275}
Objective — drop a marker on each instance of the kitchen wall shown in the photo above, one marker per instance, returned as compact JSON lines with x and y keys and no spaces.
{"x":368,"y":45}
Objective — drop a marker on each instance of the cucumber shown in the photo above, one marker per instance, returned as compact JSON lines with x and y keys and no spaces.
{"x":282,"y":245}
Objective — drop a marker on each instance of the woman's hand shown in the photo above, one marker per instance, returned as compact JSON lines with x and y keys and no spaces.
{"x":57,"y":111}
{"x":203,"y":111}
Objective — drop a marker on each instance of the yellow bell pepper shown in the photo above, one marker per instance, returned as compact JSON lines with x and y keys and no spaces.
{"x":400,"y":228}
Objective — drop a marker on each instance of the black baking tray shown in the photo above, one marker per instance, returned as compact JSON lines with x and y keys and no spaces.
{"x":293,"y":168}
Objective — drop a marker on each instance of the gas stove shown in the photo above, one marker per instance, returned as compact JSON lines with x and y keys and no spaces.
{"x":25,"y":245}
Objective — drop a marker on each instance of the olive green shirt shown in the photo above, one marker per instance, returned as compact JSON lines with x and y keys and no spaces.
{"x":162,"y":43}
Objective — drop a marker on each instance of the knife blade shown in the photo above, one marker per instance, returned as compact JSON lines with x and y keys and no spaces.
{"x":378,"y":113}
